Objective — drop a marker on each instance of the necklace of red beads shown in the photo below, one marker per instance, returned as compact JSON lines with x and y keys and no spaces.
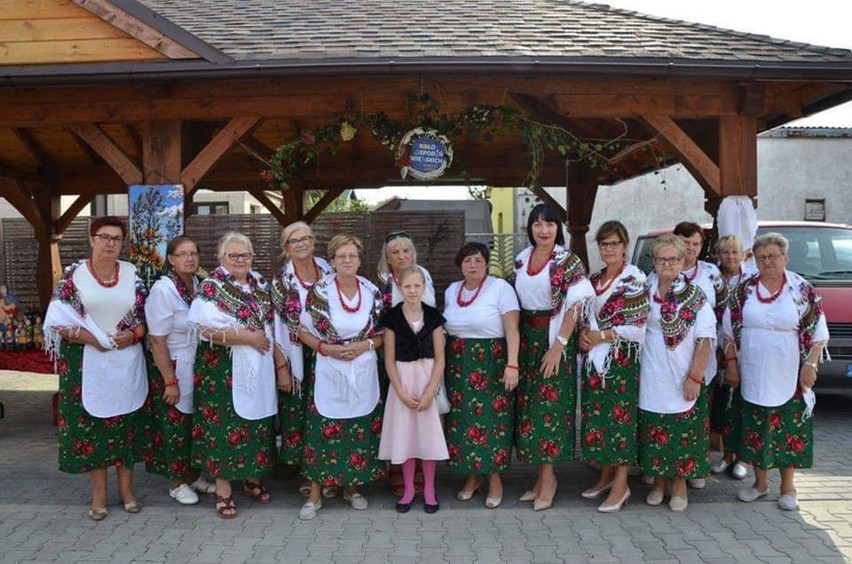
{"x":304,"y":284}
{"x":774,"y":295}
{"x":531,"y":272}
{"x":602,"y":290}
{"x":104,"y":283}
{"x":465,"y":303}
{"x":343,"y":301}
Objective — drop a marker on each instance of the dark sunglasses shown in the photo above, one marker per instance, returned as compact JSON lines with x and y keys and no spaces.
{"x":397,"y":235}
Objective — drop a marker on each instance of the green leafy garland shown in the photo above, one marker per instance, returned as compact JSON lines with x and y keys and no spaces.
{"x":479,"y":121}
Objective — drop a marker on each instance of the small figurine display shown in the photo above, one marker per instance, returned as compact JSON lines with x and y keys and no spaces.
{"x":38,"y":333}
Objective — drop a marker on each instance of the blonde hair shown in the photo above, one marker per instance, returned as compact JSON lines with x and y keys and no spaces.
{"x":229,"y":238}
{"x":668,"y":240}
{"x":344,"y":239}
{"x":411,"y":271}
{"x":729,"y":241}
{"x":288,"y":231}
{"x":384,"y":267}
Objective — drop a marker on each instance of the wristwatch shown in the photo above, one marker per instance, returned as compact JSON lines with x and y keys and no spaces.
{"x":562,"y":340}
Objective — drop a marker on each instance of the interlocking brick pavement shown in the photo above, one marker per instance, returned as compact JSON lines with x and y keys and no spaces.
{"x":43,"y":513}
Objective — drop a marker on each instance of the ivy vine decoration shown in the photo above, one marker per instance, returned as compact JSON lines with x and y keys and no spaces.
{"x":479,"y":121}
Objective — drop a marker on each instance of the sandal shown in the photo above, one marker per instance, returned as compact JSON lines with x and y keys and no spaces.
{"x":97,"y":513}
{"x":257,"y":491}
{"x":225,"y":507}
{"x":305,"y":489}
{"x":132,"y":507}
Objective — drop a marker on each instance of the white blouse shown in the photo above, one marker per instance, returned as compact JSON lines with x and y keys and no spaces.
{"x":664,"y":371}
{"x":482,"y":319}
{"x":707,"y":278}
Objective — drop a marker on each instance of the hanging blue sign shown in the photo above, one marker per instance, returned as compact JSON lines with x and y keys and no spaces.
{"x":424,"y":153}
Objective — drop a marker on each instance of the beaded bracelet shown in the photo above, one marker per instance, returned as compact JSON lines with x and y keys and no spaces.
{"x":172,"y":383}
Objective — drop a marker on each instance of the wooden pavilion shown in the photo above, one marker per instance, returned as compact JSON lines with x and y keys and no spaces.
{"x":97,"y":95}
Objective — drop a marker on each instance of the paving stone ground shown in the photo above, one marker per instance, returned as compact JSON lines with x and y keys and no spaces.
{"x":43,"y":513}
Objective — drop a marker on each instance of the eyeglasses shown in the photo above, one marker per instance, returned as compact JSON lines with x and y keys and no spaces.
{"x":670,"y":261}
{"x":609,"y":244}
{"x":236,"y":257}
{"x":306,"y":239}
{"x":767,"y":258}
{"x":184,"y":256}
{"x":346,"y":256}
{"x":106,"y":239}
{"x":397,"y":235}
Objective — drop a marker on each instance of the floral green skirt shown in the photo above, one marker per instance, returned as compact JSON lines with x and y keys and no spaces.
{"x":171,"y":431}
{"x":86,"y":442}
{"x":545,"y":407}
{"x":291,"y":415}
{"x":223,"y":443}
{"x":480,"y":422}
{"x":675,"y":445}
{"x":726,"y":415}
{"x":777,"y":437}
{"x":609,"y":411}
{"x":340,"y":452}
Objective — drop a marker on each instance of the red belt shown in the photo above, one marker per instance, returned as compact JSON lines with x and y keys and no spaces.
{"x":536,"y":321}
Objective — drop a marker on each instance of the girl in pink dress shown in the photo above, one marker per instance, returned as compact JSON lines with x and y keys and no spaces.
{"x":414,"y":360}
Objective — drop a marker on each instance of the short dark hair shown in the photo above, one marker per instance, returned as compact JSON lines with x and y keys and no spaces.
{"x":612,"y":227}
{"x":108,"y":221}
{"x":545,"y":212}
{"x":688,"y":229}
{"x":471,"y":248}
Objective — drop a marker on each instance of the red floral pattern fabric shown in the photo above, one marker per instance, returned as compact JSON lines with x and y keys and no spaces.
{"x":777,"y":437}
{"x":171,"y":430}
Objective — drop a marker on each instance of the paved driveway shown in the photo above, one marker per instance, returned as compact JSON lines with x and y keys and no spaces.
{"x":42,"y":513}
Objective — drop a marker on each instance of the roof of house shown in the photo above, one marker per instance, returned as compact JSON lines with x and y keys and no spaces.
{"x":252,"y":30}
{"x":808,"y":132}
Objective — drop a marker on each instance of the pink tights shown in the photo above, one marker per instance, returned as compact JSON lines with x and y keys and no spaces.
{"x":428,"y":480}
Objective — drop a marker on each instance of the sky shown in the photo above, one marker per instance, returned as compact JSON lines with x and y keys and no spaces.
{"x":818,"y":22}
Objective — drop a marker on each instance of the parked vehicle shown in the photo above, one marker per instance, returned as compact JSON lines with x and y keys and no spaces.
{"x":822,"y":254}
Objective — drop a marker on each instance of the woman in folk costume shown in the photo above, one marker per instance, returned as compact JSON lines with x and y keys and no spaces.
{"x":609,"y":389}
{"x":553,"y":291}
{"x":679,"y":339}
{"x":289,"y":291}
{"x":171,"y":374}
{"x":482,"y":314}
{"x":235,"y":375}
{"x":706,"y":276}
{"x":93,"y":327}
{"x":726,"y":405}
{"x":774,"y":332}
{"x":343,"y":418}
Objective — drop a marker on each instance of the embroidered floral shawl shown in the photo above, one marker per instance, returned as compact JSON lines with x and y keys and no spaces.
{"x":317,"y":307}
{"x":566,"y":270}
{"x":252,"y":310}
{"x":184,"y":293}
{"x":808,"y":303}
{"x":286,"y":298}
{"x":627,"y":304}
{"x":679,"y":309}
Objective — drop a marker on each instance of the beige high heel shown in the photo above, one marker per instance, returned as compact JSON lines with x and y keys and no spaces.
{"x":615,"y":507}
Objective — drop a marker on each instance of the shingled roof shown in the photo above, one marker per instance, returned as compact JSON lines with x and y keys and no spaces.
{"x":544,"y":30}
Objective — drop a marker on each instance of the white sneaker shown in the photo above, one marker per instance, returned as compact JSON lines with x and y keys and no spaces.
{"x":751,"y":494}
{"x":203,"y":486}
{"x":788,"y":502}
{"x":720,"y":467}
{"x":356,"y":500}
{"x":697,"y":483}
{"x":184,"y":495}
{"x":740,"y":471}
{"x":309,"y":510}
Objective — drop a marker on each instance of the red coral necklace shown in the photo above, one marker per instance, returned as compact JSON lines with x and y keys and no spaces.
{"x":465,"y":303}
{"x":104,"y":283}
{"x":343,"y":301}
{"x":533,"y":272}
{"x":774,"y":295}
{"x":304,"y":284}
{"x":598,"y":290}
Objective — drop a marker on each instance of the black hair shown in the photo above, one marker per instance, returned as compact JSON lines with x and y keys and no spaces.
{"x":471,"y":248}
{"x":545,"y":212}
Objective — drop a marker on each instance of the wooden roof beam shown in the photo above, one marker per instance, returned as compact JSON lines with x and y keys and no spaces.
{"x":322,"y":204}
{"x":61,"y":224}
{"x":111,"y":153}
{"x":690,"y":154}
{"x":32,"y":146}
{"x":261,"y":197}
{"x":221,"y":143}
{"x":22,"y":201}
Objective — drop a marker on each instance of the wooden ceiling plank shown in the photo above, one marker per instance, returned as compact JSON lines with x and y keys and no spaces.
{"x":696,"y":161}
{"x":95,"y":137}
{"x":32,"y":146}
{"x":218,"y":146}
{"x":137,"y":29}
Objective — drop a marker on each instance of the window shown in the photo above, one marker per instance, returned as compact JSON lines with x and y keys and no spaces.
{"x":815,"y":209}
{"x":212,"y":208}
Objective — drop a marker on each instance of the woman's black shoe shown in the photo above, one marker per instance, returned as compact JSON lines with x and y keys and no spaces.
{"x":431,"y":508}
{"x":403,"y":507}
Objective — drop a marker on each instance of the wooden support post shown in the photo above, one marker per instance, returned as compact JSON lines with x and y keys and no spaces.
{"x":582,"y":191}
{"x":161,"y":155}
{"x":48,"y":261}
